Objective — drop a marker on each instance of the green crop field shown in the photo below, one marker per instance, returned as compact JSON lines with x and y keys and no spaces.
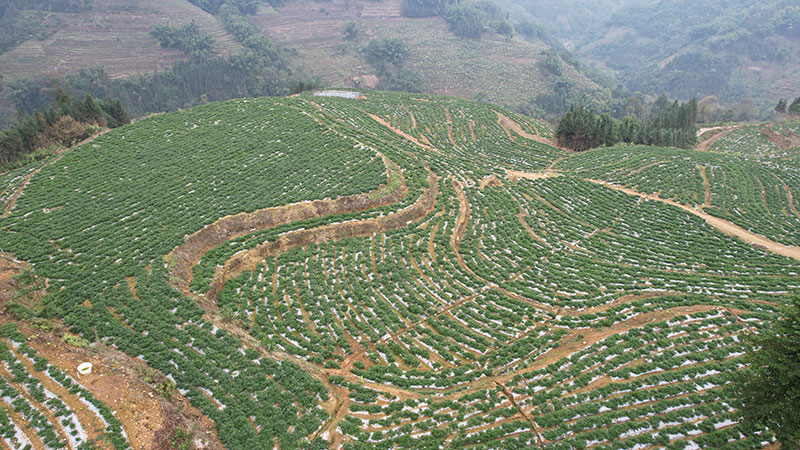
{"x":403,"y":271}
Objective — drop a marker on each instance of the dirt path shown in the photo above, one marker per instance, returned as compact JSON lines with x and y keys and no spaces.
{"x":338,"y":402}
{"x":521,"y":410}
{"x":461,"y":226}
{"x":707,"y":186}
{"x":472,"y":130}
{"x":720,"y":224}
{"x":553,"y":164}
{"x":702,"y":131}
{"x":646,"y":167}
{"x":117,"y":380}
{"x":522,"y":217}
{"x":402,"y":133}
{"x":789,"y":196}
{"x":455,"y":242}
{"x":511,"y":126}
{"x":449,"y":125}
{"x":515,"y":175}
{"x":89,"y":421}
{"x":490,"y":181}
{"x":413,"y":119}
{"x":763,"y":193}
{"x":12,"y":200}
{"x":723,"y":131}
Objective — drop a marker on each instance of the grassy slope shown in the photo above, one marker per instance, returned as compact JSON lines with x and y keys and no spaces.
{"x":496,"y":70}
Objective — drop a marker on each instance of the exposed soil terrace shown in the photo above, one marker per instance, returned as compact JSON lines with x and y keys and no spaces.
{"x":184,"y":257}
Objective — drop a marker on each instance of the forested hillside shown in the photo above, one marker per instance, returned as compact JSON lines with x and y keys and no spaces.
{"x":731,"y":49}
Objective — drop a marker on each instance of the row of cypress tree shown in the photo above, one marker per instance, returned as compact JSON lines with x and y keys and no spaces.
{"x":581,"y":129}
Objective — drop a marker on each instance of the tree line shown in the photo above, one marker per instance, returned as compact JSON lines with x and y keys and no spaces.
{"x":388,"y":55}
{"x":465,"y":19}
{"x":187,"y":38}
{"x":784,"y":109}
{"x":67,"y":121}
{"x":674,"y":126}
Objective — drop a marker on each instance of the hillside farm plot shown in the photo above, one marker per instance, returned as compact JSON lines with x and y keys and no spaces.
{"x":408,"y":271}
{"x":761,"y":141}
{"x":45,"y":408}
{"x":758,"y":196}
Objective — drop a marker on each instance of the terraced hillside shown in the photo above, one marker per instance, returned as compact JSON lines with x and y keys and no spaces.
{"x":408,"y":271}
{"x":493,"y":68}
{"x":114,"y":34}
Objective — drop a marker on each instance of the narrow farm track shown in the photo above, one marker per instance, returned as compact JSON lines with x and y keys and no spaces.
{"x":12,"y":201}
{"x":789,"y":197}
{"x":405,"y":135}
{"x":706,"y":144}
{"x":521,"y":411}
{"x":514,"y":175}
{"x":90,"y":421}
{"x":722,"y":225}
{"x":339,"y":400}
{"x":510,"y":126}
{"x":706,"y":186}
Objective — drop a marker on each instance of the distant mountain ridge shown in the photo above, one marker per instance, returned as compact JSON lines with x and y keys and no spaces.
{"x":727,"y":48}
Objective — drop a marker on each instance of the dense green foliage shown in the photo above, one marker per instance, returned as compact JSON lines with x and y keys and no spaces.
{"x":387,"y":55}
{"x":187,"y":38}
{"x":794,"y":108}
{"x":351,"y":30}
{"x":465,"y":20}
{"x":674,"y":126}
{"x":67,"y":121}
{"x":768,"y":390}
{"x":214,"y":160}
{"x":380,"y":52}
